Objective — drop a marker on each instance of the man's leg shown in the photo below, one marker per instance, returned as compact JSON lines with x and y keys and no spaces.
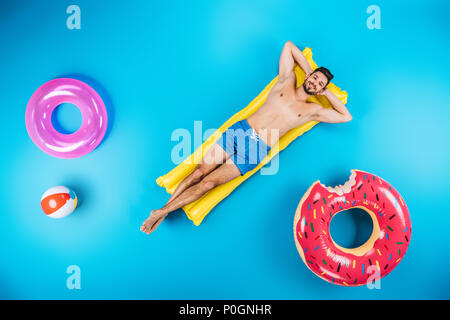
{"x":224,"y":173}
{"x":214,"y":157}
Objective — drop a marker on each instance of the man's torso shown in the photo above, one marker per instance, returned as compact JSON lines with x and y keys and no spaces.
{"x":281,"y":112}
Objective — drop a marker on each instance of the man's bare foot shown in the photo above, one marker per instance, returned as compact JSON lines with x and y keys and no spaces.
{"x":153,"y":221}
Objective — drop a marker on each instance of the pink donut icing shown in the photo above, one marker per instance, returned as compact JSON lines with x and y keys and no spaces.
{"x":384,"y":249}
{"x":39,"y":125}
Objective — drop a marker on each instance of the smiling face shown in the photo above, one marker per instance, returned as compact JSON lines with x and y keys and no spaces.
{"x":316,"y":82}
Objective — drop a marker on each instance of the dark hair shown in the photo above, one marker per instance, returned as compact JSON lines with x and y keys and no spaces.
{"x":326,"y":72}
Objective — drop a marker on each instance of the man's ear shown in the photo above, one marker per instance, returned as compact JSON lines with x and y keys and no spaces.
{"x":307,"y":75}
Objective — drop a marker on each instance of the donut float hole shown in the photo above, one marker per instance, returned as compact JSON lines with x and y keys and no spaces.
{"x":351,"y":228}
{"x":66,"y":118}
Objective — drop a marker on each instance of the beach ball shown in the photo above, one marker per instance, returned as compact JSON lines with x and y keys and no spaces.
{"x":58,"y":202}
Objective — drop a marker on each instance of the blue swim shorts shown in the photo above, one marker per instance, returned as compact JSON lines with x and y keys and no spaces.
{"x":244,"y":146}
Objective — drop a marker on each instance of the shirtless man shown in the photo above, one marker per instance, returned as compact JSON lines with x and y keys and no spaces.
{"x":285,"y":108}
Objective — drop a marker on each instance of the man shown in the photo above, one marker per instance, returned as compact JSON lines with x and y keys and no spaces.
{"x":235,"y":154}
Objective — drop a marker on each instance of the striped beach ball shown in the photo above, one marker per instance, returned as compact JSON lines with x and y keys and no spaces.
{"x":58,"y":202}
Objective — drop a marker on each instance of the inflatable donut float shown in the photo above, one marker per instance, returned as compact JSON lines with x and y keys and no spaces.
{"x":39,"y":114}
{"x":352,"y":267}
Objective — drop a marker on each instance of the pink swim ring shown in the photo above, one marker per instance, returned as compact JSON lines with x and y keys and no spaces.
{"x":39,"y":124}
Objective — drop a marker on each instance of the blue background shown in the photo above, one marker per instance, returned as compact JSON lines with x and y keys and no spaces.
{"x":161,"y":65}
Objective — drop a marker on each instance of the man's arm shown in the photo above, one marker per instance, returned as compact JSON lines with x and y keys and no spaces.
{"x":289,"y":56}
{"x":339,"y":113}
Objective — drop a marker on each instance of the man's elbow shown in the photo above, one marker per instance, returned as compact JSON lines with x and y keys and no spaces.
{"x":289,"y":43}
{"x":348,"y":118}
